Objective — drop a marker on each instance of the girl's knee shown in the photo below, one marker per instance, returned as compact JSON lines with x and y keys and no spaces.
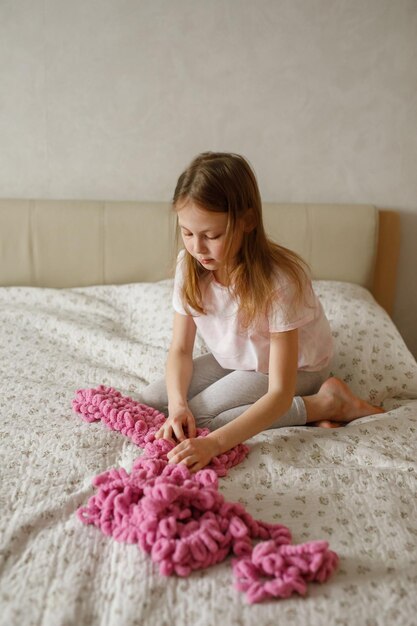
{"x":155,"y":395}
{"x":204,"y":422}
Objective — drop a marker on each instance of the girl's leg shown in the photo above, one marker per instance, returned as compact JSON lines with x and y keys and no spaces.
{"x":320,"y":401}
{"x":206,"y":371}
{"x":234,"y":390}
{"x":235,"y":393}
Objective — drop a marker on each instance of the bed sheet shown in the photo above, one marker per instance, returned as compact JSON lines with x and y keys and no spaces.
{"x":354,"y":487}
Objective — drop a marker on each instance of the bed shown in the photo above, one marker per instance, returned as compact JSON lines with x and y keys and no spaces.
{"x":86,"y":301}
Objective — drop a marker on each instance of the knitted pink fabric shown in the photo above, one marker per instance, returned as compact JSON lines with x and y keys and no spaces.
{"x":181,"y":519}
{"x":140,"y":422}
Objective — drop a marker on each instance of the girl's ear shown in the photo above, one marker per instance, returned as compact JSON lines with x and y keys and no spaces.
{"x":249,"y":221}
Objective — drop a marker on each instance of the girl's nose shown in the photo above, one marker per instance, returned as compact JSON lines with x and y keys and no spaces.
{"x":200,"y":246}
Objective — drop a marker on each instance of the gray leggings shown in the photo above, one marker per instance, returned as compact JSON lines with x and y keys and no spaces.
{"x":217,"y":396}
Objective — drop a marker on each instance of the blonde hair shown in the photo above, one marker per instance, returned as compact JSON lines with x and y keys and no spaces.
{"x":225,"y":182}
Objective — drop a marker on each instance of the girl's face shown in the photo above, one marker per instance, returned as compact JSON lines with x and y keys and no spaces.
{"x":204,"y":236}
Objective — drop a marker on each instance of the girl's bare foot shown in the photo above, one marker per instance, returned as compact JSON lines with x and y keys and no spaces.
{"x":326,"y":424}
{"x":334,"y":405}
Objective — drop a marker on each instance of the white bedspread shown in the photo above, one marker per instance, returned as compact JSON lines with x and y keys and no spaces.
{"x":354,"y":486}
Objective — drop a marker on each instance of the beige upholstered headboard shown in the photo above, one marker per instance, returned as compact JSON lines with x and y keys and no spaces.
{"x":68,"y":243}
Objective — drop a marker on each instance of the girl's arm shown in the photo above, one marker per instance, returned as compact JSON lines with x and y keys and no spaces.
{"x":283,"y":362}
{"x":179,"y":369}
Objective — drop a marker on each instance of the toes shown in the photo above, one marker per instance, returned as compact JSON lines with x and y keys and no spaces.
{"x":326,"y":424}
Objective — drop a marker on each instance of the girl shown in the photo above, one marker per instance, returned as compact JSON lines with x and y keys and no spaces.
{"x":253,"y":303}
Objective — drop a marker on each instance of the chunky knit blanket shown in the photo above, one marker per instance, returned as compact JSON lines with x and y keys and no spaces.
{"x":181,"y":519}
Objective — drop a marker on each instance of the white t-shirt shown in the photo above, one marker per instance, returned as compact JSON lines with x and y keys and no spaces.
{"x":239,"y":348}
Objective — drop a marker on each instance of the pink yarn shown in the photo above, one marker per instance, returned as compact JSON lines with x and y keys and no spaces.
{"x":181,"y":519}
{"x":140,"y":422}
{"x":278,"y":570}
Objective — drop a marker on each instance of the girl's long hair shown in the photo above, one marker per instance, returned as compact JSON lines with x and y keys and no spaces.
{"x":225,"y":182}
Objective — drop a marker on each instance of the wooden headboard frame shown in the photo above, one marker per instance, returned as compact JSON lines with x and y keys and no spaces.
{"x":388,"y":251}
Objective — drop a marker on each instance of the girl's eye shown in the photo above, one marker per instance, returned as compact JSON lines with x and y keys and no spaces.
{"x":206,"y":236}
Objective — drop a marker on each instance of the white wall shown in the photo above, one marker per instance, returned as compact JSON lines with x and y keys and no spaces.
{"x":112,"y":98}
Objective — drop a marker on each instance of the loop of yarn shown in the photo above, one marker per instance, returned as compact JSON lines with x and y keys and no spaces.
{"x":278,"y":571}
{"x":181,"y":519}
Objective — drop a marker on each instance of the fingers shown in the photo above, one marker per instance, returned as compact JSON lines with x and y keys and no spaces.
{"x":192,"y":431}
{"x":189,"y":461}
{"x":180,"y":453}
{"x":173,"y":455}
{"x":174,"y":427}
{"x":184,"y":453}
{"x":178,"y":431}
{"x":165,"y":432}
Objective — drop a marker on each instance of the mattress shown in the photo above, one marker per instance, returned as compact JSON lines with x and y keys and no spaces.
{"x":354,"y":487}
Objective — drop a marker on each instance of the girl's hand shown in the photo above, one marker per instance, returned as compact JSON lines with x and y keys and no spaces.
{"x":173,"y":427}
{"x":194,"y":453}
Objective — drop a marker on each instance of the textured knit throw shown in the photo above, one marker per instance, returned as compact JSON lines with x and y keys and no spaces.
{"x":181,"y":519}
